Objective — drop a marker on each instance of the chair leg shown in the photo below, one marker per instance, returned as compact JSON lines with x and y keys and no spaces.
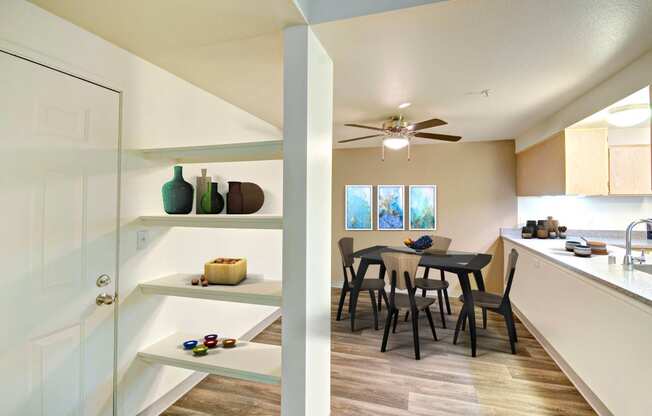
{"x":425,"y":276}
{"x":353,"y":305}
{"x":464,"y":322}
{"x":407,"y":315}
{"x":388,"y":322}
{"x":384,"y":294}
{"x":415,"y":334}
{"x":510,"y":324}
{"x":374,"y":308}
{"x":432,"y":323}
{"x":460,"y":319}
{"x":448,"y":304}
{"x":441,"y":309}
{"x":395,"y":321}
{"x":341,"y":305}
{"x":511,"y":314}
{"x":484,"y":318}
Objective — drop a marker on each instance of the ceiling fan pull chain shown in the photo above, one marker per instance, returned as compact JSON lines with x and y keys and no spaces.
{"x":409,"y":143}
{"x":382,"y":158}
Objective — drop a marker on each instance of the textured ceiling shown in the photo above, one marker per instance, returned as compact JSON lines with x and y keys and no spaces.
{"x":535,"y":56}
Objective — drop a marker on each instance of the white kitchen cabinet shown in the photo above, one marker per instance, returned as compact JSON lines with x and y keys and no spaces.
{"x":629,"y":170}
{"x":600,"y":337}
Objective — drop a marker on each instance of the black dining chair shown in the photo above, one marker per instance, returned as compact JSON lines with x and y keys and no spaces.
{"x":439,"y":244}
{"x":401,"y":269}
{"x":345,"y":245}
{"x":494,"y":303}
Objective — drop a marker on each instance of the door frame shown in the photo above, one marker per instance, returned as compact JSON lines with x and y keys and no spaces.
{"x":32,"y":56}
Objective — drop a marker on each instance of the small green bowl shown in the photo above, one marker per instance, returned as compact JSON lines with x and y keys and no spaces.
{"x":200,"y":350}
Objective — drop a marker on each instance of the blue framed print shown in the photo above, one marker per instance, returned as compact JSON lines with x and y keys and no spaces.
{"x":358,"y":209}
{"x":390,"y":207}
{"x":423,"y":207}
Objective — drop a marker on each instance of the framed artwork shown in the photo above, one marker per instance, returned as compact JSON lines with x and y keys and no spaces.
{"x":390,"y":208}
{"x":423,"y":207}
{"x":358,"y":207}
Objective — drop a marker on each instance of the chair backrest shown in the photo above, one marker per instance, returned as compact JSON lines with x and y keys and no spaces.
{"x":511,"y":270}
{"x":346,"y":251}
{"x":401,"y":263}
{"x":439,"y":244}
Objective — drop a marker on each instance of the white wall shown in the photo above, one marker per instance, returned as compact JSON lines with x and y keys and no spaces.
{"x":630,"y":79}
{"x":590,"y":213}
{"x":159,"y":110}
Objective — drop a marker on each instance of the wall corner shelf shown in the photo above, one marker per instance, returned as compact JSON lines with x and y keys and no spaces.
{"x":242,"y":221}
{"x":231,"y":152}
{"x":247,"y":361}
{"x":253,"y":290}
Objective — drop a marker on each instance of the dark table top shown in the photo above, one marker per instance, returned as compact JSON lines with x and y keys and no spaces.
{"x":453,"y":261}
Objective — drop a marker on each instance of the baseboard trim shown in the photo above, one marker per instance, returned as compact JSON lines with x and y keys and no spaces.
{"x":586,"y":392}
{"x":169,"y":398}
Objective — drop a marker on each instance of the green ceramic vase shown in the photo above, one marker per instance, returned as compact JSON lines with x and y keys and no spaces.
{"x":177,"y":194}
{"x":212,"y":202}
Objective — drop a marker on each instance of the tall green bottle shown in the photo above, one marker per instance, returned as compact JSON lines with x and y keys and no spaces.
{"x":177,"y":194}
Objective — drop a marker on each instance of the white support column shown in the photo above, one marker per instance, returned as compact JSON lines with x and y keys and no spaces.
{"x":307,"y":150}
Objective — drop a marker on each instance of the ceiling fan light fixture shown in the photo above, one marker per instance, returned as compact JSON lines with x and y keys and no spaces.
{"x":628,"y":115}
{"x":395,"y":142}
{"x":404,"y":105}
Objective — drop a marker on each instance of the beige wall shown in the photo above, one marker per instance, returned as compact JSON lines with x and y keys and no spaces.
{"x":476,"y":192}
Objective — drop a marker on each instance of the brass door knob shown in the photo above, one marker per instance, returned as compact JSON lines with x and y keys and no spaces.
{"x":104,"y":299}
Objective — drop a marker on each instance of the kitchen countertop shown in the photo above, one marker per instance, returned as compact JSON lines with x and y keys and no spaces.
{"x":635,"y":284}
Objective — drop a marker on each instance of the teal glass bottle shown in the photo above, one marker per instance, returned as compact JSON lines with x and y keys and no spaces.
{"x":177,"y":194}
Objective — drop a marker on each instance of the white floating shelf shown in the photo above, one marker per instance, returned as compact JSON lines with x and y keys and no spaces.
{"x":247,"y":361}
{"x":232,"y":152}
{"x":255,"y":221}
{"x":252,"y":290}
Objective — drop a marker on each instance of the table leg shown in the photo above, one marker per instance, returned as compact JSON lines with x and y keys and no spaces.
{"x":470,"y":307}
{"x":426,"y":273}
{"x":355,"y":290}
{"x":479,"y":281}
{"x":381,"y":276}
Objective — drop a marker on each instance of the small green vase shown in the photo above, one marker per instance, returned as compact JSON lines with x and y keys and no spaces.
{"x":212,"y":202}
{"x":177,"y":194}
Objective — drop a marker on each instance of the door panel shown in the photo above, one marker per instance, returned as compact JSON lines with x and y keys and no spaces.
{"x":58,"y":216}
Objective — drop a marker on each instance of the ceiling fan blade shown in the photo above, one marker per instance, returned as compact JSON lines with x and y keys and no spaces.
{"x":364,"y":127}
{"x":426,"y":124}
{"x":444,"y":137}
{"x":360,"y":138}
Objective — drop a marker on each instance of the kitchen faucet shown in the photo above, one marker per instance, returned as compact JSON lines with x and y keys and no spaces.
{"x":629,"y":260}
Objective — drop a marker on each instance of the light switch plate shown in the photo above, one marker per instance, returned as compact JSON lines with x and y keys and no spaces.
{"x":142,"y":238}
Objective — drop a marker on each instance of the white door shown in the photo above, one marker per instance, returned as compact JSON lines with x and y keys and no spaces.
{"x":58,"y":222}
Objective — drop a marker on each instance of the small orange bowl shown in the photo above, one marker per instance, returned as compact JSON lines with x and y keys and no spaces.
{"x":229,"y":343}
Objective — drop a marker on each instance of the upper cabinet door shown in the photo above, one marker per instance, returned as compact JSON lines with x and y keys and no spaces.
{"x":571,"y":162}
{"x":629,"y":170}
{"x":587,"y":161}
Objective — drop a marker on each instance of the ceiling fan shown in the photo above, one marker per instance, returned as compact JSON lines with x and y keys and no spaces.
{"x":398,"y":133}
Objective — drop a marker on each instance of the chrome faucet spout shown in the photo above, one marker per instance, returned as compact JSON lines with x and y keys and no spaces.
{"x":628,"y":261}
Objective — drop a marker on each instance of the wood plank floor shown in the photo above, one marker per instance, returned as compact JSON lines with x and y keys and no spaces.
{"x":446,"y":381}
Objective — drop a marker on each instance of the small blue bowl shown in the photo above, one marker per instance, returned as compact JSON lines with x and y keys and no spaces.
{"x":210,"y":337}
{"x":188,"y":345}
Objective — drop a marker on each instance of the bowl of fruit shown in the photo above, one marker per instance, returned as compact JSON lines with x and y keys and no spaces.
{"x":422,"y":243}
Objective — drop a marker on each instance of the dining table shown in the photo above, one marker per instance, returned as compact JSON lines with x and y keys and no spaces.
{"x":460,"y":263}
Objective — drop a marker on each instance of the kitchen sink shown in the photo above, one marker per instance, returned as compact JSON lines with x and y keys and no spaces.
{"x":647,"y":268}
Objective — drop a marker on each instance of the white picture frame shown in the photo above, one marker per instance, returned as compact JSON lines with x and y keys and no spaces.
{"x":422,"y":224}
{"x":354,"y":208}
